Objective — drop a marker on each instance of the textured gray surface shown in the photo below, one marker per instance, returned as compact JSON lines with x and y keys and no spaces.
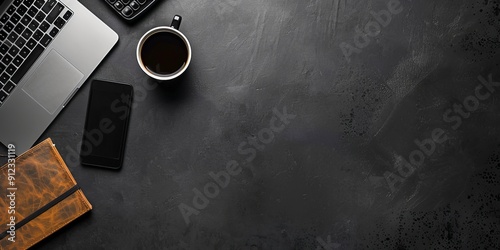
{"x":319,"y":184}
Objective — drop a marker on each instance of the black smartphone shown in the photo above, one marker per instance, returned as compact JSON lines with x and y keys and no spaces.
{"x":106,"y":124}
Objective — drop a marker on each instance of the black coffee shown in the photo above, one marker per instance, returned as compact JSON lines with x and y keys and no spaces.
{"x":164,"y":53}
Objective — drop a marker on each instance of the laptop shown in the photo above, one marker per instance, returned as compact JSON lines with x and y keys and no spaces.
{"x":48,"y":48}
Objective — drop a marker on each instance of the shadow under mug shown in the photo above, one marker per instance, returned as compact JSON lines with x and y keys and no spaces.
{"x":165,"y":51}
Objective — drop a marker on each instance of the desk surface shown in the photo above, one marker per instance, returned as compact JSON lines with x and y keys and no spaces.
{"x":391,"y":138}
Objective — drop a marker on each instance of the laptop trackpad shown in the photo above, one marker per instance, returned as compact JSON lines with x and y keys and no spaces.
{"x":52,"y":82}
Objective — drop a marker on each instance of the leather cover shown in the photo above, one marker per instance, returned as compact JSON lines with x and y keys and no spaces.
{"x":41,"y":176}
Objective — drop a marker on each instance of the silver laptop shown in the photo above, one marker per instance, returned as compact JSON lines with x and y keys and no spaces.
{"x":48,"y":48}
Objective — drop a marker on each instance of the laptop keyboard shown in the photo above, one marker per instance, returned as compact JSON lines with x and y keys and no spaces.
{"x":26,"y":29}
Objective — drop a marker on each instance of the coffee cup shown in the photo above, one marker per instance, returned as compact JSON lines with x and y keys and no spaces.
{"x":164,"y":53}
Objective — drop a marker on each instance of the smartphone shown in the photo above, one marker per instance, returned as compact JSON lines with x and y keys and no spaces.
{"x":106,"y":124}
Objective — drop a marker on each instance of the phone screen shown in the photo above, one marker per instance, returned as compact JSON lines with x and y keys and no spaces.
{"x":106,"y":124}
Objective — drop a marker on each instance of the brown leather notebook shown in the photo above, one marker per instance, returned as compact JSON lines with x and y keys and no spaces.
{"x":38,"y":197}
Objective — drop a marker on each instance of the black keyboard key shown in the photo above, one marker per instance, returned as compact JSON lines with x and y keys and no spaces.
{"x":9,"y":87}
{"x":46,"y":40}
{"x":19,"y":29}
{"x":28,"y":2}
{"x":27,"y":34}
{"x":6,"y":59}
{"x":127,"y":11}
{"x":39,"y":3}
{"x":3,"y":96}
{"x":26,"y":20}
{"x":134,"y":5}
{"x":38,"y":35}
{"x":32,"y":11}
{"x":3,"y":35}
{"x":142,"y":1}
{"x":54,"y":32}
{"x":44,"y":26}
{"x":13,"y":51}
{"x":2,"y":67}
{"x":125,"y":1}
{"x":31,"y":43}
{"x":54,"y":13}
{"x":17,"y":2}
{"x":11,"y":10}
{"x":17,"y":61}
{"x":13,"y":37}
{"x":4,"y":78}
{"x":111,"y":1}
{"x":21,"y":10}
{"x":15,"y":18}
{"x":24,"y":52}
{"x":40,"y":16}
{"x":8,"y":27}
{"x":59,"y":23}
{"x":27,"y":64}
{"x":11,"y":69}
{"x":4,"y":18}
{"x":67,"y":15}
{"x":8,"y":43}
{"x":48,"y":6}
{"x":33,"y":25}
{"x":20,"y":42}
{"x":4,"y":48}
{"x":118,"y":5}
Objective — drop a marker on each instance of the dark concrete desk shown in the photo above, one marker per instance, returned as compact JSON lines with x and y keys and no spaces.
{"x":344,"y":172}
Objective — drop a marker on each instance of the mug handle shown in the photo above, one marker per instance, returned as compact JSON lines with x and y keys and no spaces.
{"x":176,"y":22}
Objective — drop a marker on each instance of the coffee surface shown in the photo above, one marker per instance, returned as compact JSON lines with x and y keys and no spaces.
{"x":164,"y":53}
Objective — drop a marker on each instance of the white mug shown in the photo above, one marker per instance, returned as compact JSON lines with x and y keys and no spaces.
{"x":172,"y":29}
